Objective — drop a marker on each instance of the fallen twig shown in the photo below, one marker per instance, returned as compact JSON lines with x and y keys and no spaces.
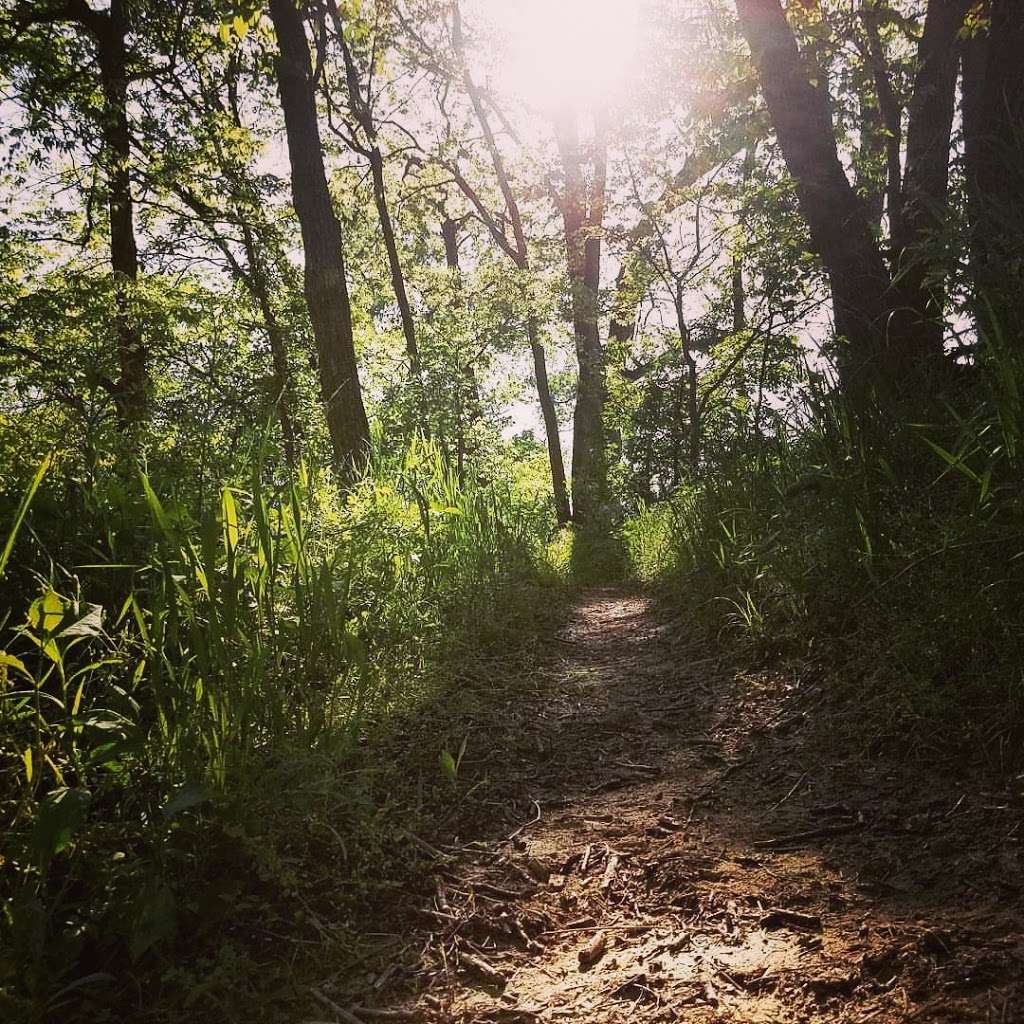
{"x":483,"y":968}
{"x":526,"y":824}
{"x":342,"y":1014}
{"x":629,"y":929}
{"x":814,"y":833}
{"x":381,"y":1014}
{"x":610,"y":869}
{"x":795,"y":787}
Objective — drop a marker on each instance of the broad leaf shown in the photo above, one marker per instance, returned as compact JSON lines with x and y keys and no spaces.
{"x":61,"y":814}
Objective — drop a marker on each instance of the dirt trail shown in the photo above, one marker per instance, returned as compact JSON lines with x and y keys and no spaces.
{"x":674,"y":842}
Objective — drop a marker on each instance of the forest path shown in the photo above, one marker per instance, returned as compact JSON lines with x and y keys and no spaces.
{"x":688,"y":845}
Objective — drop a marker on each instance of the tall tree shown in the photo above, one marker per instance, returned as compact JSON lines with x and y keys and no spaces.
{"x":993,"y":121}
{"x":466,"y":391}
{"x":230,"y":204}
{"x":24,"y":42}
{"x":582,"y":204}
{"x":917,"y":262}
{"x":890,"y":320}
{"x":517,"y":249}
{"x":641,"y":238}
{"x":364,"y":139}
{"x":325,"y":285}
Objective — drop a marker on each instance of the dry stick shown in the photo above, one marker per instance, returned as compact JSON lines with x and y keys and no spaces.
{"x":586,"y":858}
{"x":779,"y":917}
{"x":796,"y":785}
{"x":593,"y":951}
{"x":636,"y":766}
{"x":814,"y":833}
{"x":371,"y":1011}
{"x":526,"y":824}
{"x":424,"y":845}
{"x":482,"y":967}
{"x":343,"y":1015}
{"x":583,"y":928}
{"x":610,"y":869}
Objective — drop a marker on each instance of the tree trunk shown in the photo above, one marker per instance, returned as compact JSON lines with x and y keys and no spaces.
{"x":361,"y":108}
{"x":642,"y":236}
{"x":258,"y":283}
{"x":993,"y":116}
{"x":132,"y":393}
{"x":880,"y":326}
{"x":465,"y":374}
{"x":582,"y":218}
{"x":916,"y":251}
{"x":387,"y":228}
{"x":891,"y":114}
{"x":284,"y":398}
{"x":550,"y":414}
{"x":692,"y":395}
{"x":325,"y":285}
{"x":738,"y":289}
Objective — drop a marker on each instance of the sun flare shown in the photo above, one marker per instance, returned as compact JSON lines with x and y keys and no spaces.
{"x":556,"y":52}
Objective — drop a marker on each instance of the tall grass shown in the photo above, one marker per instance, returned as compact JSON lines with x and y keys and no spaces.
{"x":274,"y":627}
{"x":894,"y":565}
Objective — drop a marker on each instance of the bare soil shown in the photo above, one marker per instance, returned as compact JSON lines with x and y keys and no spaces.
{"x":662,"y":838}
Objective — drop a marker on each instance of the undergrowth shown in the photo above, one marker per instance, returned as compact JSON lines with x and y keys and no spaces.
{"x":194,"y":763}
{"x":893,"y":567}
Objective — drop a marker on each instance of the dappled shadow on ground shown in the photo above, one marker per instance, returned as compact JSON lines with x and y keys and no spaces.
{"x":644,"y":834}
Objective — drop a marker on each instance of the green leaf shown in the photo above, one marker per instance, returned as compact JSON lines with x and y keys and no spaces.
{"x":240,"y":25}
{"x":190,"y":795}
{"x":10,"y":661}
{"x":46,"y":612}
{"x":60,"y":816}
{"x":27,"y":759}
{"x":229,"y":518}
{"x":954,"y":461}
{"x":159,"y":514}
{"x":19,"y":516}
{"x":224,"y":31}
{"x":156,"y":919}
{"x":448,"y":766}
{"x":48,"y":646}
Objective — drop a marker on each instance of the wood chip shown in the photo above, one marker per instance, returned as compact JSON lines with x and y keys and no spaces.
{"x":610,"y":870}
{"x":593,"y":950}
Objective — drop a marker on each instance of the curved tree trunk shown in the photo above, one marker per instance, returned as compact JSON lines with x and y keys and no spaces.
{"x":258,"y":282}
{"x":550,"y":414}
{"x":834,"y":214}
{"x":362,"y":109}
{"x":643,"y":235}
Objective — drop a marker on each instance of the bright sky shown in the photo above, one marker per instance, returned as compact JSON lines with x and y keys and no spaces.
{"x":563,"y":51}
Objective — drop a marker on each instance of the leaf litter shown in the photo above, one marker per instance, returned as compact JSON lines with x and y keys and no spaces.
{"x":666,"y":838}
